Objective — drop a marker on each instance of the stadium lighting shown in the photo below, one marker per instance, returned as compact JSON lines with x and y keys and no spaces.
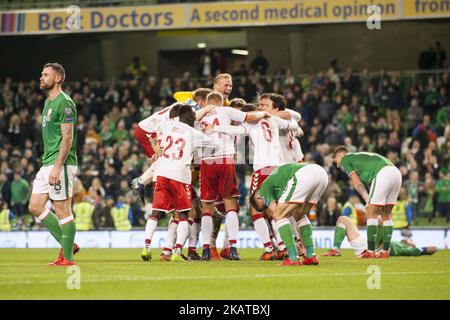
{"x":240,"y":52}
{"x":201,"y":45}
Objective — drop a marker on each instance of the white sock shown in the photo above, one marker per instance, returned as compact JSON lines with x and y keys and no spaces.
{"x":194,"y":230}
{"x":280,"y":242}
{"x":232,"y":226}
{"x":262,"y":230}
{"x":171,"y":236}
{"x":147,"y":176}
{"x":294,"y":227}
{"x":182,"y":233}
{"x":226,"y":240}
{"x":150,"y":228}
{"x":207,"y":228}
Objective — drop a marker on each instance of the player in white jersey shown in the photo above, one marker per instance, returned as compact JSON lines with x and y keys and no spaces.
{"x":219,"y":215}
{"x":177,"y":141}
{"x":264,"y":139}
{"x":275,"y":105}
{"x":146,"y":130}
{"x":217,"y":173}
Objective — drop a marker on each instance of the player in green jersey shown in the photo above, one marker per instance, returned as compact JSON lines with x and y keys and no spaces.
{"x":291,"y":190}
{"x":345,"y":228}
{"x":54,"y":180}
{"x":385,"y":182}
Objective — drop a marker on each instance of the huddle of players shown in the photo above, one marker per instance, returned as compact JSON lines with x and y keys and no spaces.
{"x":169,"y":140}
{"x":282,"y":190}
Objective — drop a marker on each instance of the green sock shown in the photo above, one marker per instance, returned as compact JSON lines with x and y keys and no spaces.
{"x":372,"y":232}
{"x":379,"y":241}
{"x":285,"y":230}
{"x":307,"y":238}
{"x":68,"y":238}
{"x":387,"y":234}
{"x":51,"y":222}
{"x":339,"y":235}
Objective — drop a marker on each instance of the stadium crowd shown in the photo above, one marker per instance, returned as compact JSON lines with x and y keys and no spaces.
{"x":382,"y":112}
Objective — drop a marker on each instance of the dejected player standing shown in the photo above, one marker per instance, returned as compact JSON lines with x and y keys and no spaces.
{"x":385,"y":180}
{"x":54,"y":180}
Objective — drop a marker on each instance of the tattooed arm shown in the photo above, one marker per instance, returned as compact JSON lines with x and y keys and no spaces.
{"x":64,"y":149}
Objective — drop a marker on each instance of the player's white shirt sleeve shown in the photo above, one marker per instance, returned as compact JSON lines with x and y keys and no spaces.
{"x":233,"y":130}
{"x":150,"y":123}
{"x":294,"y":114}
{"x":286,"y":124}
{"x":290,"y":146}
{"x":202,"y":140}
{"x":299,"y":132}
{"x":223,"y":116}
{"x":235,"y":115}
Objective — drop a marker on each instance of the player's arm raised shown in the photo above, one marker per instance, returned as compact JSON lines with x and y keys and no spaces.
{"x":359,"y":186}
{"x":291,"y":125}
{"x":256,"y":116}
{"x":232,"y":130}
{"x":64,"y":149}
{"x":155,"y":146}
{"x":201,"y":113}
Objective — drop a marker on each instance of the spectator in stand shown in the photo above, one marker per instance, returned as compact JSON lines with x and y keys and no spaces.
{"x":427,"y":58}
{"x":330,"y":212}
{"x":443,"y":191}
{"x":20,"y":193}
{"x":414,"y":114}
{"x":259,"y":63}
{"x":440,"y":56}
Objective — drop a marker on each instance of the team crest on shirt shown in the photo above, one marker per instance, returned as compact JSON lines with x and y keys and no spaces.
{"x":68,"y":110}
{"x":46,"y":118}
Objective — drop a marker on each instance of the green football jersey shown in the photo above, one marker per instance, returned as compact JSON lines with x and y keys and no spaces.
{"x":366,"y":164}
{"x":61,"y":110}
{"x":273,"y":187}
{"x":398,"y":249}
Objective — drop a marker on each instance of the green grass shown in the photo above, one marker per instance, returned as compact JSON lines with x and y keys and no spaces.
{"x":120,"y":274}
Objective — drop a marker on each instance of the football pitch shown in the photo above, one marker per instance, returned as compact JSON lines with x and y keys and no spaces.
{"x":121,"y":274}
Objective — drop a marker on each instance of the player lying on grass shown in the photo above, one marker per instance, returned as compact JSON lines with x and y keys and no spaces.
{"x":291,"y":190}
{"x":385,"y":180}
{"x":345,"y":228}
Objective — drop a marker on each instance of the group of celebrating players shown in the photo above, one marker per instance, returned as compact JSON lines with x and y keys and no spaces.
{"x":198,"y":137}
{"x":195,"y":141}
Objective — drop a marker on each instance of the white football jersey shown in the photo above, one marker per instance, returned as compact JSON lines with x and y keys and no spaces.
{"x":150,"y":124}
{"x":264,"y":139}
{"x":178,"y":141}
{"x":222,"y":116}
{"x":290,"y":146}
